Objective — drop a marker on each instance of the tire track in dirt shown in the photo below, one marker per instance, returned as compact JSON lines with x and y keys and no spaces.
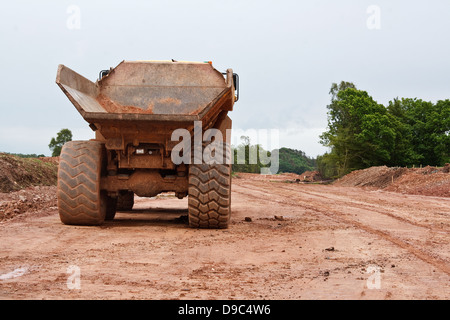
{"x":369,"y":206}
{"x":248,"y":190}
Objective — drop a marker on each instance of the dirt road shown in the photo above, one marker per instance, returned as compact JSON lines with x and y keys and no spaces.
{"x":303,"y":242}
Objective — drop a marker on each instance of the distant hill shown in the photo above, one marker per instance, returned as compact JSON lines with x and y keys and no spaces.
{"x":290,"y":160}
{"x":295,"y":161}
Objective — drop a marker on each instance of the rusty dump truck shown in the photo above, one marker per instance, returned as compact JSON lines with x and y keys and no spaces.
{"x":135,"y":109}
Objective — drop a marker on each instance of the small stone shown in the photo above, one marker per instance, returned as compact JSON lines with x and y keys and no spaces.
{"x":248,"y":219}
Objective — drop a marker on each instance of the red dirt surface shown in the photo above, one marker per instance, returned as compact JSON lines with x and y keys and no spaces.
{"x":27,"y":202}
{"x":286,"y":241}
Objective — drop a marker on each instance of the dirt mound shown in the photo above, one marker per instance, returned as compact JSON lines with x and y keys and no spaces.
{"x":378,"y":177}
{"x":311,"y":176}
{"x":430,"y":181}
{"x":26,"y":201}
{"x":18,"y":173}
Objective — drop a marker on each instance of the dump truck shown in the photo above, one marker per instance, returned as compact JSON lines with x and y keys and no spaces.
{"x":136,"y":109}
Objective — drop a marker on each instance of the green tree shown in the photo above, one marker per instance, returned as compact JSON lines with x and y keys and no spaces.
{"x":335,"y":163}
{"x":425,"y":128}
{"x":360,"y":132}
{"x":440,"y":123}
{"x":56,"y":145}
{"x":327,"y":165}
{"x":404,"y":153}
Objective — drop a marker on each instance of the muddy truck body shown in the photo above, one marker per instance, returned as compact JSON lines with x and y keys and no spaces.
{"x":145,"y":114}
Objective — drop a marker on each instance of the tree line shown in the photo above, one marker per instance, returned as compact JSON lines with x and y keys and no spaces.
{"x":362,"y":133}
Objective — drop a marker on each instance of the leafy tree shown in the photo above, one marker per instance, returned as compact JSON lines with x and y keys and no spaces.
{"x":404,"y":153}
{"x":56,"y":145}
{"x":440,"y":122}
{"x":362,"y":133}
{"x":339,"y":135}
{"x":426,"y":128}
{"x":327,"y":165}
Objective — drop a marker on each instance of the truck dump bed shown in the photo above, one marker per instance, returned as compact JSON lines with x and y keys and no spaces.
{"x":150,"y":91}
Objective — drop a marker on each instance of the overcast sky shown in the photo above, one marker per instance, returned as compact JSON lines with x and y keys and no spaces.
{"x":287,"y":54}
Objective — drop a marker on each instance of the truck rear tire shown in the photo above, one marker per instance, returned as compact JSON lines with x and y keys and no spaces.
{"x":209,"y":196}
{"x":125,"y":201}
{"x":80,"y":200}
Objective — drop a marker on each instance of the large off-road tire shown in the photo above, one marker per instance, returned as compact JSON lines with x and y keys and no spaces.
{"x":125,"y":201}
{"x":80,"y":200}
{"x":209,"y":196}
